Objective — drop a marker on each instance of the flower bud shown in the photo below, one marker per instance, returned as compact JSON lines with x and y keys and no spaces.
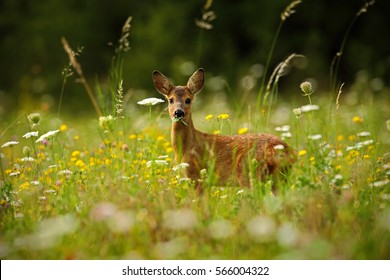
{"x":307,"y":88}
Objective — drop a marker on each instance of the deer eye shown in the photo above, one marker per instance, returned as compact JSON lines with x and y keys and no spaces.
{"x":188,"y":101}
{"x":170,"y":100}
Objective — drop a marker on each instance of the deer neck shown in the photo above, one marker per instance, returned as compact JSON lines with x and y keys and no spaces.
{"x":182,"y":137}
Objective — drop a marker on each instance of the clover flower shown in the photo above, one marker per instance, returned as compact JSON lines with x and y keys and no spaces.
{"x":307,"y":88}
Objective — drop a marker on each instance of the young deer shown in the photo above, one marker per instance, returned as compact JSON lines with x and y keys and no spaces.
{"x":245,"y":157}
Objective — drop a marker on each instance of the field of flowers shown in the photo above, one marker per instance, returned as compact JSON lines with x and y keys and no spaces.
{"x":108,"y":189}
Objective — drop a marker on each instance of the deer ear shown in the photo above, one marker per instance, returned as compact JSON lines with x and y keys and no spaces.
{"x":196,"y":81}
{"x":161,"y":83}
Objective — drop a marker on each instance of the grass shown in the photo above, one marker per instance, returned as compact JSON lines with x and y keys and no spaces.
{"x":107,"y":188}
{"x":75,"y":195}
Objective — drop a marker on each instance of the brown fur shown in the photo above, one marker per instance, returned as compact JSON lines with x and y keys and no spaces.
{"x":232,"y":156}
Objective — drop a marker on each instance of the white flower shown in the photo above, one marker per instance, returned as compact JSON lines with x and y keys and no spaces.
{"x":31,"y":134}
{"x":47,"y":135}
{"x":283,"y":128}
{"x":279,"y":147}
{"x":315,"y":137}
{"x":180,"y":166}
{"x":363,"y":134}
{"x":15,"y":173}
{"x":28,"y":159}
{"x":157,"y":162}
{"x":64,"y":172}
{"x":10,"y":144}
{"x":150,"y":101}
{"x":309,"y":107}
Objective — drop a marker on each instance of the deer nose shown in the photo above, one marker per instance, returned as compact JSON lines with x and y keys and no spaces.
{"x":179,"y":113}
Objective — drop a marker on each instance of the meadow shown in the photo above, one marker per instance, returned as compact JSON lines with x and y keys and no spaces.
{"x":107,"y":187}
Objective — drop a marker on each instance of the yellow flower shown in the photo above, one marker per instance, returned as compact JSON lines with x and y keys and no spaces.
{"x":24,"y":186}
{"x":223,"y":116}
{"x":243,"y":130}
{"x":132,"y":136}
{"x":366,"y":156}
{"x":340,"y":138}
{"x":209,"y":117}
{"x":357,"y":119}
{"x":63,"y":127}
{"x":217,"y":131}
{"x":302,"y":153}
{"x":75,"y":153}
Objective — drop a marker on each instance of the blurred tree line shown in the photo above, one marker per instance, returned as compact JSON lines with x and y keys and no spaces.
{"x":164,"y":36}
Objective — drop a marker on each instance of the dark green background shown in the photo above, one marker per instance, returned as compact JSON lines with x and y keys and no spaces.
{"x":164,"y":35}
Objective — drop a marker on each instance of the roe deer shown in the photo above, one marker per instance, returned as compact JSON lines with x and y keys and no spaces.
{"x":245,"y":157}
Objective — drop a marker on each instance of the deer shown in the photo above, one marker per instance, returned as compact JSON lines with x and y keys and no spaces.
{"x":238,"y":158}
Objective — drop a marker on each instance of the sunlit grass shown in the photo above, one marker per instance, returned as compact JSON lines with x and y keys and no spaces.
{"x":115,"y":193}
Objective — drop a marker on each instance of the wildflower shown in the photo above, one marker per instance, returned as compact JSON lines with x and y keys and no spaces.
{"x":363,"y":134}
{"x":285,"y":135}
{"x":209,"y":117}
{"x":150,"y":101}
{"x":34,"y":118}
{"x":309,"y":108}
{"x":10,"y":144}
{"x":180,"y":166}
{"x":47,"y":135}
{"x":243,"y":130}
{"x":283,"y":128}
{"x":106,"y":122}
{"x":315,"y":137}
{"x":63,"y":127}
{"x":279,"y":147}
{"x":24,"y":186}
{"x":307,"y":88}
{"x":357,"y":119}
{"x":302,"y":153}
{"x":223,"y":116}
{"x":157,"y":162}
{"x":217,"y":131}
{"x":28,"y":159}
{"x":297,"y":112}
{"x":31,"y":134}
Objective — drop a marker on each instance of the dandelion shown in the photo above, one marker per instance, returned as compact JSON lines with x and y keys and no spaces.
{"x":302,"y":153}
{"x":223,"y":116}
{"x":10,"y":144}
{"x":150,"y":101}
{"x":63,"y":127}
{"x":31,"y":134}
{"x":357,"y":119}
{"x":34,"y":118}
{"x":47,"y":135}
{"x":209,"y":117}
{"x":243,"y":130}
